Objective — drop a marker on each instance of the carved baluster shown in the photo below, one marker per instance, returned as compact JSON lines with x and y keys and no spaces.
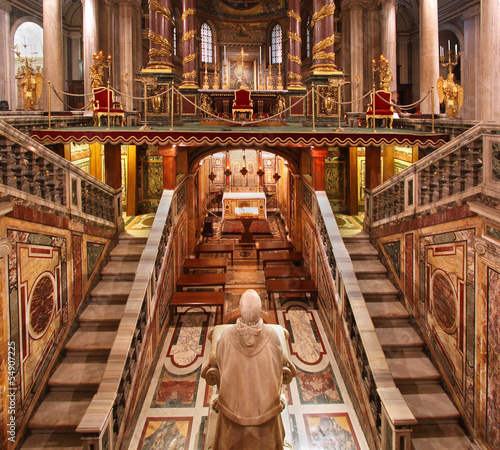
{"x":7,"y":161}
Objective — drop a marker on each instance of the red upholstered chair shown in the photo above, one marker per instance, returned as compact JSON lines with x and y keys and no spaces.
{"x":242,"y":105}
{"x":383,"y":108}
{"x":100,"y":100}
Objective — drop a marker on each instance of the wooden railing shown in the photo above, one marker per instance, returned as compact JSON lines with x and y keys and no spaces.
{"x":461,"y":168}
{"x":391,"y":419}
{"x":106,"y":418}
{"x":31,"y":172}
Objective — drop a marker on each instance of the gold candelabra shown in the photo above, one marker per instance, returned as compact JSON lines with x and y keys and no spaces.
{"x":261,"y":83}
{"x":205,"y":79}
{"x":225,"y":84}
{"x":280,"y":81}
{"x":450,"y":64}
{"x":382,"y":66}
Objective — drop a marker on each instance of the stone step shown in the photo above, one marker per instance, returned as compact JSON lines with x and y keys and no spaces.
{"x":90,"y":342}
{"x":368,"y":269}
{"x":378,"y":290}
{"x":430,"y":404}
{"x":350,"y":235}
{"x":127,"y":252}
{"x":439,"y":437}
{"x":400,"y":338}
{"x":103,"y":314}
{"x":61,"y":411}
{"x":53,"y":441}
{"x":122,"y":270}
{"x":135,"y":236}
{"x":363,"y":250}
{"x":111,"y":291}
{"x":417,"y":369}
{"x":78,"y":374}
{"x":390,"y":313}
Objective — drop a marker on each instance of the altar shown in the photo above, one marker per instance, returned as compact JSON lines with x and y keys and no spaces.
{"x":243,"y":204}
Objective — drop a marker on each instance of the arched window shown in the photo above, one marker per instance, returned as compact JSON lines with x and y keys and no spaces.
{"x":308,"y":37}
{"x":277,"y":45}
{"x":206,"y":44}
{"x":174,"y":36}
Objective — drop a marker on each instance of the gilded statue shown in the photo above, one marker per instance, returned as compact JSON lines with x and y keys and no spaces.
{"x":206,"y":105}
{"x":97,"y":69}
{"x":451,"y":94}
{"x":32,"y":87}
{"x":280,"y":104}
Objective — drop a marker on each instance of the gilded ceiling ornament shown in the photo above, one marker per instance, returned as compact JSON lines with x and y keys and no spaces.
{"x":161,"y":9}
{"x":188,"y":12}
{"x":324,"y":55}
{"x":160,"y":40}
{"x":294,"y":36}
{"x":292,"y":13}
{"x":159,"y":53}
{"x":190,"y":34}
{"x":321,"y":45}
{"x":325,"y":11}
{"x":189,"y":75}
{"x":189,"y":58}
{"x":294,"y":59}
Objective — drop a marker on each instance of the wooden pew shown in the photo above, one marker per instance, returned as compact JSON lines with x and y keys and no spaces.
{"x":206,"y":298}
{"x":292,"y":286}
{"x":201,"y":280}
{"x":214,"y":248}
{"x":205,"y":264}
{"x":267,"y":246}
{"x":282,"y":257}
{"x":286,"y":271}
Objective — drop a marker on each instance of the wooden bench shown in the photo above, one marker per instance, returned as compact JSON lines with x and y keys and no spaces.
{"x":267,"y":246}
{"x":282,"y":257}
{"x":199,"y":299}
{"x":289,"y":286}
{"x":205,"y":263}
{"x":285,"y":271}
{"x":201,"y":280}
{"x":215,"y":248}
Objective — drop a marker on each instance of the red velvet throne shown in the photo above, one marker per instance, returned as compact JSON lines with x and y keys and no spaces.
{"x":383,"y":108}
{"x":242,"y":105}
{"x":100,"y":100}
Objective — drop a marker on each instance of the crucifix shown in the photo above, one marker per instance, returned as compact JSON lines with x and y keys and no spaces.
{"x":243,"y":84}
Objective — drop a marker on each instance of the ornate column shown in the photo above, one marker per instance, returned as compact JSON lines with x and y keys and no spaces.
{"x":189,"y":44}
{"x":429,"y":54}
{"x":76,"y":37}
{"x":53,"y":50}
{"x":355,"y":21}
{"x":169,"y":166}
{"x":295,"y":46}
{"x":127,"y":9}
{"x":318,"y":156}
{"x":6,"y":54}
{"x":403,"y":47}
{"x":90,"y":40}
{"x":322,"y":23}
{"x":470,"y":63}
{"x":160,"y":35}
{"x":490,"y":60}
{"x":388,"y":27}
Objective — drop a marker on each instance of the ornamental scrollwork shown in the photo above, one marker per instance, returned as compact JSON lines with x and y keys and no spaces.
{"x":293,"y":14}
{"x":294,"y":36}
{"x":325,"y":11}
{"x":190,"y":75}
{"x":324,"y":55}
{"x":294,"y":76}
{"x":190,"y":34}
{"x":160,"y":40}
{"x":159,"y":53}
{"x":161,"y":9}
{"x":321,"y":45}
{"x":189,"y":58}
{"x":5,"y":248}
{"x":295,"y":58}
{"x":188,"y":12}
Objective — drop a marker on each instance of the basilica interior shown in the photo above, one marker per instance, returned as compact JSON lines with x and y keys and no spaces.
{"x":339,"y":157}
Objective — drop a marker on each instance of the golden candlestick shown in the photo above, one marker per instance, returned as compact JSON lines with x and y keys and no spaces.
{"x":261,"y":83}
{"x":280,"y":81}
{"x":216,"y":84}
{"x":243,"y":84}
{"x":205,"y":79}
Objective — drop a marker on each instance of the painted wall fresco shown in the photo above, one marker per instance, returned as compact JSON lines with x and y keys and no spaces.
{"x":150,"y":181}
{"x":393,"y":250}
{"x":335,"y":180}
{"x":447,"y":306}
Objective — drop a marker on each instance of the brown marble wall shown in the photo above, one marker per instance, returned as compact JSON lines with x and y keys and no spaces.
{"x":450,"y":280}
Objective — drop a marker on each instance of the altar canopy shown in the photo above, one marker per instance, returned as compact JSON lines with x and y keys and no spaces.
{"x":243,"y":204}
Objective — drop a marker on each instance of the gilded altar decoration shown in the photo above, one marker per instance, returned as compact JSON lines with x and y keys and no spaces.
{"x":450,"y":93}
{"x":161,"y":9}
{"x":280,"y":104}
{"x":190,"y":34}
{"x":382,"y":66}
{"x":206,"y":105}
{"x":31,"y":84}
{"x":188,"y":12}
{"x":189,"y":58}
{"x":190,"y":75}
{"x":160,"y":40}
{"x":292,"y":13}
{"x":294,"y":36}
{"x":325,"y":11}
{"x":294,"y":58}
{"x":97,"y":69}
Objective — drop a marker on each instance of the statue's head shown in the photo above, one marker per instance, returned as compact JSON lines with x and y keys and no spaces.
{"x":250,"y":307}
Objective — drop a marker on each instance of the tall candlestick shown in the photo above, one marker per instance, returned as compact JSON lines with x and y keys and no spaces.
{"x":456,"y":49}
{"x":270,"y":62}
{"x":449,"y":48}
{"x":215,"y":55}
{"x":225,"y":56}
{"x":260,"y":56}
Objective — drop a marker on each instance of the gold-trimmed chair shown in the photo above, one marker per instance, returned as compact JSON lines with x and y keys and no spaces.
{"x":242,"y":105}
{"x":383,"y":108}
{"x":100,"y":101}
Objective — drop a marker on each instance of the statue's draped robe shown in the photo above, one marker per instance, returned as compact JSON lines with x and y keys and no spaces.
{"x":250,"y":360}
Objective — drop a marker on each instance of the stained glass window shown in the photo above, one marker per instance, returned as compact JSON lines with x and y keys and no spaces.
{"x":308,"y":37}
{"x":276,"y":45}
{"x":206,"y":44}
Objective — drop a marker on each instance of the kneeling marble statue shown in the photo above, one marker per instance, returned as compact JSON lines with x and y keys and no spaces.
{"x":249,"y":366}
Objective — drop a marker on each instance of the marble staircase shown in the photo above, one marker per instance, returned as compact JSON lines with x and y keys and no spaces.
{"x":79,"y":373}
{"x":414,"y":373}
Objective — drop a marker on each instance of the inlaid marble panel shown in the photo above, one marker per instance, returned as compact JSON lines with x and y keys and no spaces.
{"x":176,"y":391}
{"x":409,"y":269}
{"x":318,"y":388}
{"x":166,"y":433}
{"x":493,"y":394}
{"x":335,"y":180}
{"x":493,"y":232}
{"x":393,"y":250}
{"x":495,"y":161}
{"x":94,"y":252}
{"x":167,"y":287}
{"x":324,"y":296}
{"x":331,"y":431}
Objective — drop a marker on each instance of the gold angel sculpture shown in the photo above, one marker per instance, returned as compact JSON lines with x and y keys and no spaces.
{"x":451,"y":94}
{"x":32,"y":86}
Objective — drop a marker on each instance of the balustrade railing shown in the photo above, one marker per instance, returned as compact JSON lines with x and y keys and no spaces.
{"x":106,"y":417}
{"x":30,"y":171}
{"x":390,"y":416}
{"x":462,"y":167}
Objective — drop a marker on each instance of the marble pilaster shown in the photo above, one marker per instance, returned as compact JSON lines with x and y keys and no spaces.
{"x":76,"y":39}
{"x":490,"y":60}
{"x":5,"y":53}
{"x":356,"y":53}
{"x":403,"y":51}
{"x":126,"y":13}
{"x":372,"y":48}
{"x":53,"y":50}
{"x":189,"y":49}
{"x":470,"y":65}
{"x":429,"y":54}
{"x":90,"y":39}
{"x":295,"y":46}
{"x":388,"y":41}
